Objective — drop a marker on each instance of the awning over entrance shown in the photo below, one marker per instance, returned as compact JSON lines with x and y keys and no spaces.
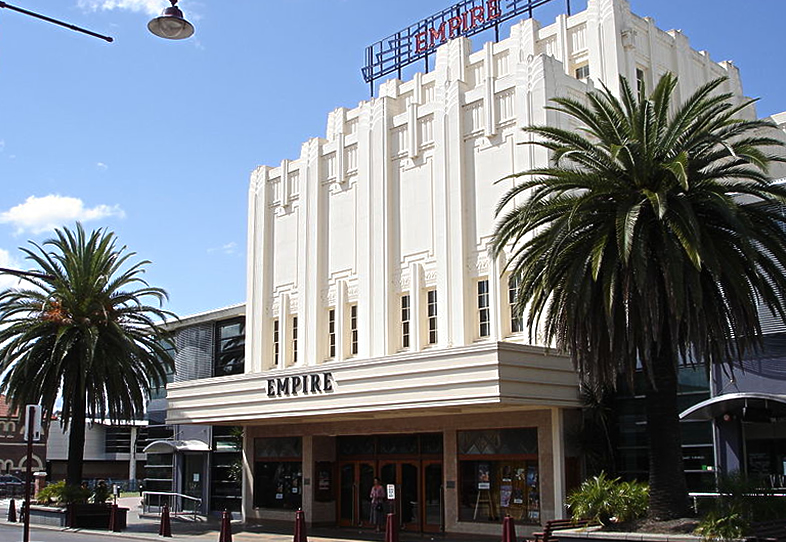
{"x":735,"y":402}
{"x":443,"y":381}
{"x":171,"y":446}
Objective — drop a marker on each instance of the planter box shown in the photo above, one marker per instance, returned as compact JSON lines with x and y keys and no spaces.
{"x":85,"y":516}
{"x":95,"y":516}
{"x":48,"y":515}
{"x":594,"y":534}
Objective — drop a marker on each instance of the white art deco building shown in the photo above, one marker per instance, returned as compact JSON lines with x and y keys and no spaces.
{"x":379,"y":336}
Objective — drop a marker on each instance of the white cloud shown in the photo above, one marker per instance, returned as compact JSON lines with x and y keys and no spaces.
{"x":228,"y":249}
{"x":101,"y":166}
{"x":38,"y":215}
{"x":2,"y":145}
{"x":151,"y":7}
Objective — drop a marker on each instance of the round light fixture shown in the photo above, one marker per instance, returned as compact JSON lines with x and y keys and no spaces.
{"x":171,"y":25}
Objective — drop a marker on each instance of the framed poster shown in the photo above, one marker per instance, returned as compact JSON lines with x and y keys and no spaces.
{"x":323,"y":489}
{"x":484,"y":480}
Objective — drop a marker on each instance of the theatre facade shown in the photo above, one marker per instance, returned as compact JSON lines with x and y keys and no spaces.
{"x":379,"y":335}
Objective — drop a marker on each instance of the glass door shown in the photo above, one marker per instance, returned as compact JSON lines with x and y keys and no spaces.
{"x":193,"y":475}
{"x":433,"y":503}
{"x":405,"y":476}
{"x":355,"y":481}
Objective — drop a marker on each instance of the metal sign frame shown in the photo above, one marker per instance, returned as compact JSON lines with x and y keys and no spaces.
{"x":419,"y":40}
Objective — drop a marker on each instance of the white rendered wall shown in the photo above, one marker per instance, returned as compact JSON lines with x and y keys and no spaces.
{"x":398,"y":197}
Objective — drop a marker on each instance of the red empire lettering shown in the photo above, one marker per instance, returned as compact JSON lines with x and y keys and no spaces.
{"x":455,"y":26}
{"x":421,"y":42}
{"x":454,"y":23}
{"x":438,"y":34}
{"x":478,"y":16}
{"x":492,"y":9}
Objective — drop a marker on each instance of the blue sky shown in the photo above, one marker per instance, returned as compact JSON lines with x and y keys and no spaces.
{"x":155,"y":139}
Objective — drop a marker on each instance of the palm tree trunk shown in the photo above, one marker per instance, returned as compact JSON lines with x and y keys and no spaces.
{"x":76,"y":440}
{"x":668,"y":488}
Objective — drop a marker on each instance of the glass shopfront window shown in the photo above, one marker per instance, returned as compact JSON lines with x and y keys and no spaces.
{"x":278,"y":484}
{"x":278,"y":473}
{"x":498,"y":473}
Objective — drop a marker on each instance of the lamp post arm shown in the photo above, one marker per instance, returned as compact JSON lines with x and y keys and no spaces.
{"x":55,"y":21}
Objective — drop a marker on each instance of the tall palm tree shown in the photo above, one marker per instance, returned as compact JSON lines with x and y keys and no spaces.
{"x":648,"y":243}
{"x":83,"y":329}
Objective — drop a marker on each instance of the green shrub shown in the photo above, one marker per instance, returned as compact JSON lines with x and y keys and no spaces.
{"x":60,"y":493}
{"x":741,"y":502}
{"x":101,"y":494}
{"x":719,"y":526}
{"x":51,"y":493}
{"x":602,"y":499}
{"x":633,"y":499}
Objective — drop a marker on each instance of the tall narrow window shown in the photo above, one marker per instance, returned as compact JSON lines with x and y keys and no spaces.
{"x":640,"y":79}
{"x":405,"y":321}
{"x":484,"y":314}
{"x":431,"y":298}
{"x":516,"y":320}
{"x":582,"y":72}
{"x":276,"y":345}
{"x":294,"y":339}
{"x":332,"y":333}
{"x":353,"y":329}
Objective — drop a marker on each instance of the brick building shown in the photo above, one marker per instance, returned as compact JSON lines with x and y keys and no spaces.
{"x":13,"y":449}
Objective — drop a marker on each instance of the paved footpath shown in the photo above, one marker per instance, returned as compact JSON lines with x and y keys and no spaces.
{"x":143,"y":528}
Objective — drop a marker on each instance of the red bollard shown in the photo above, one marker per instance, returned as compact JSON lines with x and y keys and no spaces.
{"x":12,"y":511}
{"x":226,"y":528}
{"x":300,"y":527}
{"x":391,"y":528}
{"x":508,"y":530}
{"x":165,"y":529}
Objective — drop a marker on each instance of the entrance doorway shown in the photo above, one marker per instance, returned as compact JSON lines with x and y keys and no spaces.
{"x":193,"y":481}
{"x":418,"y":486}
{"x":355,"y":481}
{"x":411,"y":463}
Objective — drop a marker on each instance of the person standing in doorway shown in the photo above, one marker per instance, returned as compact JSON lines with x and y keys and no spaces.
{"x":377,"y":504}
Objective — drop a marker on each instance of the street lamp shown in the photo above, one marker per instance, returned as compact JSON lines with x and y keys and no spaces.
{"x":171,"y":24}
{"x":55,"y":21}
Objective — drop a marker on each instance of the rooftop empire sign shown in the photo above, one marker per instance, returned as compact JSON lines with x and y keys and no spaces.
{"x":457,"y":26}
{"x":300,"y":384}
{"x":417,"y":41}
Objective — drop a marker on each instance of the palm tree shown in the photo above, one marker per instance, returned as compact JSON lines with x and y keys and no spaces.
{"x":83,"y":329}
{"x":649,"y":243}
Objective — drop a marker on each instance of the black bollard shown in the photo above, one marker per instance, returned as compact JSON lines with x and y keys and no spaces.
{"x":12,"y":511}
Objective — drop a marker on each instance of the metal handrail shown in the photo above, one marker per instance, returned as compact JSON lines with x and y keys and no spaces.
{"x":770,"y":492}
{"x":173,"y":500}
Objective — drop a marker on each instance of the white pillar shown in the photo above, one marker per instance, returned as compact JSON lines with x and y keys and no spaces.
{"x":284,"y":333}
{"x":342,"y":322}
{"x":558,"y":459}
{"x":132,"y":455}
{"x":247,"y":492}
{"x":496,"y":300}
{"x":416,"y":303}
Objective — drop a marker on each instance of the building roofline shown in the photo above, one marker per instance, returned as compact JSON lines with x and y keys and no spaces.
{"x":223,"y":313}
